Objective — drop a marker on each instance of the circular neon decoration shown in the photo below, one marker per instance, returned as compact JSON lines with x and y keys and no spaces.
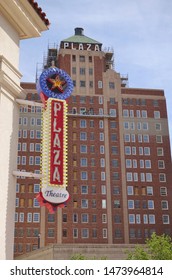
{"x":55,"y":83}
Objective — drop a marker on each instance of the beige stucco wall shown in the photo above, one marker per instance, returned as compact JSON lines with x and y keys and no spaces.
{"x":18,"y":20}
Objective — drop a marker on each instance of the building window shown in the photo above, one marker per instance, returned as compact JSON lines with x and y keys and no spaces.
{"x":131,"y":218}
{"x":82,"y":71}
{"x":145,"y":126}
{"x":37,"y":160}
{"x":37,"y":147}
{"x":150,"y":204}
{"x":102,"y":149}
{"x":129,"y":176}
{"x":82,"y":58}
{"x":85,"y":233}
{"x":162,"y":177}
{"x":103,"y":203}
{"x":111,"y":85}
{"x":114,"y":150}
{"x":35,"y":203}
{"x":82,"y":83}
{"x":115,"y":176}
{"x":151,"y":219}
{"x":157,"y":114}
{"x":83,"y":136}
{"x":104,"y":232}
{"x":127,"y":150}
{"x":84,"y":203}
{"x":75,"y":218}
{"x":158,"y":139}
{"x":161,"y":164}
{"x":117,"y":204}
{"x":130,"y":190}
{"x":115,"y":163}
{"x":112,"y":112}
{"x":113,"y":124}
{"x":83,"y":124}
{"x":83,"y":148}
{"x":144,"y":114}
{"x":36,"y":217}
{"x":130,"y":204}
{"x":117,"y":219}
{"x":38,"y":134}
{"x":75,"y":233}
{"x":146,"y":151}
{"x":163,"y":191}
{"x":145,"y":219}
{"x":32,"y":132}
{"x":84,"y":189}
{"x":73,"y":58}
{"x":21,"y":217}
{"x":165,"y":219}
{"x":100,"y":84}
{"x":160,"y":152}
{"x":29,"y":217}
{"x":51,"y":218}
{"x":84,"y":175}
{"x":84,"y":218}
{"x":149,"y":190}
{"x":158,"y":126}
{"x":50,"y":232}
{"x":104,"y":218}
{"x":103,"y":189}
{"x":164,"y":205}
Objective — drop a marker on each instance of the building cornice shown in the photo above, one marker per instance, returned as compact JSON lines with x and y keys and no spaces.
{"x":23,"y":17}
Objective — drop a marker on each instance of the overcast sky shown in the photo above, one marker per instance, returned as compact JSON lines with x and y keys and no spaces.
{"x":140,"y":32}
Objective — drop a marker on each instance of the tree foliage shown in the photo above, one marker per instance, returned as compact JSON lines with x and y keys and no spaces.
{"x":156,"y":248}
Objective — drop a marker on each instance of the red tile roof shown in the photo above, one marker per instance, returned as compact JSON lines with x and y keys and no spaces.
{"x":39,"y":11}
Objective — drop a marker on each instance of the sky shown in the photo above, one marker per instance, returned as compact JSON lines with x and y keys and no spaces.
{"x":140,"y":33}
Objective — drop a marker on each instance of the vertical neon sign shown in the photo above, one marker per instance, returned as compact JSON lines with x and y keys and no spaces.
{"x":54,"y":87}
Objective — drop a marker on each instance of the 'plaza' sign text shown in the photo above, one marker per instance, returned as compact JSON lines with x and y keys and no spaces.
{"x":81,"y":47}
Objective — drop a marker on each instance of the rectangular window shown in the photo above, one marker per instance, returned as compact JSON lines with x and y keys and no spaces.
{"x":158,"y":126}
{"x":157,"y":114}
{"x":83,"y":124}
{"x":82,"y":83}
{"x":164,"y":205}
{"x":130,"y":190}
{"x":111,"y":85}
{"x":165,"y":219}
{"x":82,"y":58}
{"x":85,"y":233}
{"x":158,"y":139}
{"x":36,"y":188}
{"x":36,"y":217}
{"x":129,"y":176}
{"x":150,"y":204}
{"x":131,"y":218}
{"x":37,"y":160}
{"x":84,"y":203}
{"x":130,"y":204}
{"x":84,"y":175}
{"x":163,"y":191}
{"x":84,"y":218}
{"x":103,"y":203}
{"x":162,"y":177}
{"x":84,"y":189}
{"x":37,"y":147}
{"x":151,"y":219}
{"x":83,"y":162}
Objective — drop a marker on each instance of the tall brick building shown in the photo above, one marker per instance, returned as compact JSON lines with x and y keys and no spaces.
{"x":119,"y":158}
